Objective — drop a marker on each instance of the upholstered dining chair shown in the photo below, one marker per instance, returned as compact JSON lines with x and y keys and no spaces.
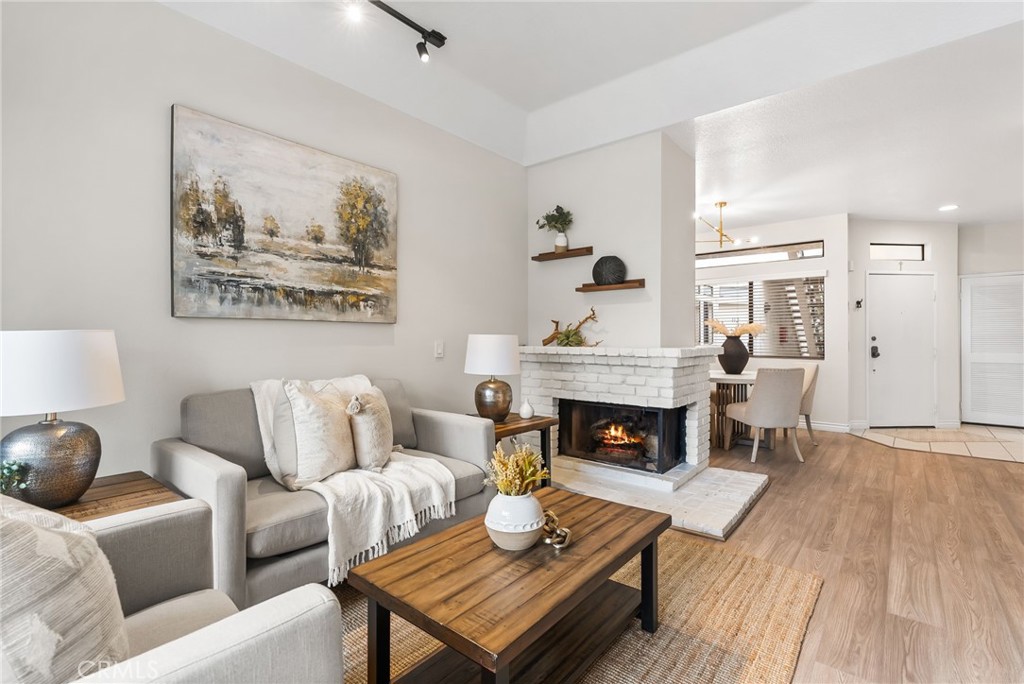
{"x":807,"y":400}
{"x":774,"y":403}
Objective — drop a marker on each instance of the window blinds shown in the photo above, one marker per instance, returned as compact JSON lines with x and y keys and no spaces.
{"x":791,"y":309}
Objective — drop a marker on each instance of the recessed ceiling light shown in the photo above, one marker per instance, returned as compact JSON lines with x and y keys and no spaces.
{"x":753,"y":240}
{"x":949,"y":207}
{"x":354,"y":12}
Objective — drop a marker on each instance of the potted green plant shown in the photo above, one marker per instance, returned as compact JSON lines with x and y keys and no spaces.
{"x":558,"y":220}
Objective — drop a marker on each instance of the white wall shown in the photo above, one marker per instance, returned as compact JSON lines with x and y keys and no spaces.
{"x":831,"y":401}
{"x":87,"y":94}
{"x":627,"y":199}
{"x":678,"y":201}
{"x":991,"y":248}
{"x":941,"y":245}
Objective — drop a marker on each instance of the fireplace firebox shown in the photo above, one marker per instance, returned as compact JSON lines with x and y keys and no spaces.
{"x":651,"y":439}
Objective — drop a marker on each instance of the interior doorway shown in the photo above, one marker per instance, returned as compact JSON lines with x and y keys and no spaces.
{"x":901,"y":349}
{"x":992,"y":349}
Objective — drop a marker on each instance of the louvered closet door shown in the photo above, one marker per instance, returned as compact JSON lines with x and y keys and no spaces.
{"x":992,"y":349}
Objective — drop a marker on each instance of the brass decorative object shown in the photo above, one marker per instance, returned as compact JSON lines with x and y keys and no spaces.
{"x":558,"y":537}
{"x":493,"y":399}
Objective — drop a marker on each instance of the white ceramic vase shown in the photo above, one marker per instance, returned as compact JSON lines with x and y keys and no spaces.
{"x":561,"y":242}
{"x":514,"y":523}
{"x":526,"y":410}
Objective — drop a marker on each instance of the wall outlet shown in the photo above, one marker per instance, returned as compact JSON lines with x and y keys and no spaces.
{"x":438,"y":349}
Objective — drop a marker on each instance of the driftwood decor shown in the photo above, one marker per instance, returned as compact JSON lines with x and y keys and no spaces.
{"x":571,"y":336}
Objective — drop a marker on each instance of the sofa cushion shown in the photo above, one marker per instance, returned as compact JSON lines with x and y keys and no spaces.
{"x":468,"y":478}
{"x":170,"y":620}
{"x":401,"y":411}
{"x":225,"y":423}
{"x":372,"y":432}
{"x":278,"y":520}
{"x":323,"y":435}
{"x":61,"y":617}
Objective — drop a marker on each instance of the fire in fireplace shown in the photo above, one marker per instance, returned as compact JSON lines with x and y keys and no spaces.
{"x":632,"y":436}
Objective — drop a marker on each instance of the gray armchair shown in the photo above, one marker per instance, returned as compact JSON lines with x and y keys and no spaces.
{"x":181,"y":630}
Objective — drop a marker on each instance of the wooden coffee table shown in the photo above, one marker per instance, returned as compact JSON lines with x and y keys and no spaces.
{"x":539,"y":615}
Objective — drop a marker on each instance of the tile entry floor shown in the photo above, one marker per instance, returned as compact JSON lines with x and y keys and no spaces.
{"x":979,"y":441}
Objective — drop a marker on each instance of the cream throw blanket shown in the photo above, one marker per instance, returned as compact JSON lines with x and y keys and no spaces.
{"x":368,"y":511}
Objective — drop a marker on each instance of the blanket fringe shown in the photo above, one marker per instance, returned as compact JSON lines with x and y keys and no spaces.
{"x":398,"y":533}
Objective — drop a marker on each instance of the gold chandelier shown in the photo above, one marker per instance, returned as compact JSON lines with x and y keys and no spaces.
{"x":723,"y":237}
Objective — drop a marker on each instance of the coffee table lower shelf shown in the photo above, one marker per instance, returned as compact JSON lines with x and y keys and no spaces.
{"x":563,"y":654}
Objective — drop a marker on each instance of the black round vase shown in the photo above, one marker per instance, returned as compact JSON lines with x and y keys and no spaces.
{"x":609,"y":270}
{"x":734,"y":356}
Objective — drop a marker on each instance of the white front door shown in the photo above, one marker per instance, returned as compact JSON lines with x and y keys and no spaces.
{"x":901,"y":349}
{"x":992,"y":349}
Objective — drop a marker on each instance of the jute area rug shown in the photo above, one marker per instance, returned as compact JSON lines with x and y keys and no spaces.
{"x":725,"y":617}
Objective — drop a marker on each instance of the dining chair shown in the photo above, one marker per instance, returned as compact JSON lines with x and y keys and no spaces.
{"x":807,"y":400}
{"x":774,"y":403}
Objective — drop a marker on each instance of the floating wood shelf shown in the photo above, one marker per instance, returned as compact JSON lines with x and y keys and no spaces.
{"x":624,"y":285}
{"x":567,"y":254}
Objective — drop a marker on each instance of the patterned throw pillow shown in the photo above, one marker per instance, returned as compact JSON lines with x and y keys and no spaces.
{"x":60,"y":618}
{"x":371,"y":429}
{"x":323,"y":437}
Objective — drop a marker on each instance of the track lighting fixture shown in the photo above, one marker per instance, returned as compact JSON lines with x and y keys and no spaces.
{"x":433,"y":37}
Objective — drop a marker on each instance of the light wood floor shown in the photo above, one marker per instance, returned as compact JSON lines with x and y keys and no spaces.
{"x":922,"y":556}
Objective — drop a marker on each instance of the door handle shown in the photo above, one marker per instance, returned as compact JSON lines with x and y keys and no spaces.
{"x":874,"y":352}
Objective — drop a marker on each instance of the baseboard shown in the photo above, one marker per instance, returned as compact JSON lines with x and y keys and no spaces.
{"x":830,"y":427}
{"x":859,"y":425}
{"x":947,"y":424}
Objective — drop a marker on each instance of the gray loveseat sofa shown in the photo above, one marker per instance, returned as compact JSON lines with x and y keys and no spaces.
{"x":267,"y":539}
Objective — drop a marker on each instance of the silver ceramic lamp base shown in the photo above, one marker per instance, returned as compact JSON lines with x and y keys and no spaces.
{"x":61,"y":459}
{"x":493,"y":399}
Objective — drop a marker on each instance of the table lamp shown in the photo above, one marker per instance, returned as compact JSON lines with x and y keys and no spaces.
{"x":493,"y":355}
{"x":46,"y":371}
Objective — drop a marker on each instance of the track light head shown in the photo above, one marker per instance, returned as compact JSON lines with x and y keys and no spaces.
{"x":421,"y":48}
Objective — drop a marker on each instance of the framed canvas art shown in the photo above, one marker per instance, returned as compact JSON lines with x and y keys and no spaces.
{"x":262,"y":227}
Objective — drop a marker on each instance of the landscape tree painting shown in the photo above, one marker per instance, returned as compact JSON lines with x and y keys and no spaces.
{"x":267,"y":228}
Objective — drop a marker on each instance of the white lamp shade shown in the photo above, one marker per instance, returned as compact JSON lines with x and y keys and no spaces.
{"x":492,"y":355}
{"x":51,"y":371}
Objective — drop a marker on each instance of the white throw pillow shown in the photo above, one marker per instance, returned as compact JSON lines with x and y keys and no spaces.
{"x":372,"y":431}
{"x":62,"y":618}
{"x":277,"y":425}
{"x":323,"y":438}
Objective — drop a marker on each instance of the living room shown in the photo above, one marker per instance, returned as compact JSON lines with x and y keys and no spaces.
{"x":87,"y":96}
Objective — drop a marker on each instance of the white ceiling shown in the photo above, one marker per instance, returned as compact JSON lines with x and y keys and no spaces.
{"x":944,"y":126}
{"x":842,"y":116}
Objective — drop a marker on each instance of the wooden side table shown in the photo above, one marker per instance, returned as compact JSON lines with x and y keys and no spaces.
{"x":517,"y":425}
{"x":118,"y":494}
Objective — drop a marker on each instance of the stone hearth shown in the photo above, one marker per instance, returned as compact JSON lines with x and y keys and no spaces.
{"x":648,"y":377}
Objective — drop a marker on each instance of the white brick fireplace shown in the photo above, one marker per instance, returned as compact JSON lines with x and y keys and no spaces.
{"x":660,"y":377}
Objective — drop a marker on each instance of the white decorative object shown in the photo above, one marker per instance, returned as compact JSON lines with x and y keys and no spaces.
{"x":561,"y":242}
{"x":526,"y":410}
{"x":514,"y":523}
